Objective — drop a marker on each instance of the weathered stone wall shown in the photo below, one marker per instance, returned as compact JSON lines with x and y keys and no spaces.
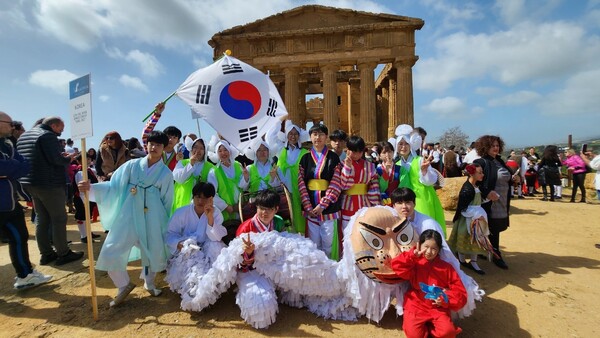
{"x":449,"y":193}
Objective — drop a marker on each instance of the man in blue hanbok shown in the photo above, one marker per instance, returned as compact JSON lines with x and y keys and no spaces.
{"x":135,"y":206}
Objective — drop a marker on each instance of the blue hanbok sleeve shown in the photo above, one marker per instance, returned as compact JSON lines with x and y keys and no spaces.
{"x":110,"y":196}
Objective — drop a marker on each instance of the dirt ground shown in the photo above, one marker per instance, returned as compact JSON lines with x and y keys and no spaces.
{"x":548,"y":291}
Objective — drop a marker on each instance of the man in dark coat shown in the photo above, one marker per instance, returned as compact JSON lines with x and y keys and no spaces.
{"x":12,"y":220}
{"x":46,"y":184}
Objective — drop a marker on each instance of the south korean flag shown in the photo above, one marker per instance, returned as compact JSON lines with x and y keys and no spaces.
{"x":237,"y":100}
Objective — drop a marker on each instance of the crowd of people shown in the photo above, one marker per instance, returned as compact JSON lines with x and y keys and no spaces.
{"x":154,"y":197}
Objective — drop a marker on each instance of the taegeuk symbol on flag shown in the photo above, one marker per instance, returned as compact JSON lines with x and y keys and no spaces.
{"x":237,"y":100}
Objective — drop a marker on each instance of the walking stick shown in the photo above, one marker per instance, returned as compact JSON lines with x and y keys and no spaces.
{"x":88,"y":230}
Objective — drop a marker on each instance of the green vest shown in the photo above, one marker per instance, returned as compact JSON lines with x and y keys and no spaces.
{"x":227,"y":187}
{"x":427,"y":201}
{"x":299,"y":222}
{"x":255,"y":179}
{"x":183,"y":191}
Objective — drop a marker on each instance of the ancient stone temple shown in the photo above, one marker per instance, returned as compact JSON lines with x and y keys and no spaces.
{"x":334,"y":52}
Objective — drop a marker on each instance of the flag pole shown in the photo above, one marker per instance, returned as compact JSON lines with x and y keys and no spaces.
{"x":154,"y":110}
{"x":88,"y":230}
{"x":226,"y":53}
{"x":198,"y":125}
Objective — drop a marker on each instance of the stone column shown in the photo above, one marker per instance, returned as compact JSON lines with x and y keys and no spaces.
{"x":330,"y":110}
{"x":383,"y":103}
{"x":292,"y":94}
{"x":354,"y":106}
{"x":368,"y":129}
{"x":302,"y":85}
{"x":404,"y":97}
{"x":394,"y":117}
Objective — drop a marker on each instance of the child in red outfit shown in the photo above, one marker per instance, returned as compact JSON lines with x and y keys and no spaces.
{"x":424,"y":317}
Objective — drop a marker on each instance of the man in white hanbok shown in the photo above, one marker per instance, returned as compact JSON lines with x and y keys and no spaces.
{"x":194,"y":237}
{"x":135,"y":206}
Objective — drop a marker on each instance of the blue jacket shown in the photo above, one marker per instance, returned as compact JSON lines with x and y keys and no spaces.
{"x":12,"y":167}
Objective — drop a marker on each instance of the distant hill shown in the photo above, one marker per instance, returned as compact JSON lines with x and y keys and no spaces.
{"x":592,"y":142}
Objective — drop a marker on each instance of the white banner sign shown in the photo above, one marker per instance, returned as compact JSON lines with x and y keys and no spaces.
{"x":81,"y":107}
{"x":237,"y":100}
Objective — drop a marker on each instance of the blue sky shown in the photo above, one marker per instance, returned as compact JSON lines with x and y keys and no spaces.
{"x":528,"y":71}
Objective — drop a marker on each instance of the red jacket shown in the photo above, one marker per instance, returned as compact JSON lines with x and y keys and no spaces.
{"x":419,"y":269}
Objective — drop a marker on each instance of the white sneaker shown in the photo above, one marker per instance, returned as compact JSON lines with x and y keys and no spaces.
{"x":32,"y":279}
{"x":154,"y":292}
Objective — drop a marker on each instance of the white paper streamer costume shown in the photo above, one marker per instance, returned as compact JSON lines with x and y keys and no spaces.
{"x":292,"y":264}
{"x":283,"y":261}
{"x":193,"y":259}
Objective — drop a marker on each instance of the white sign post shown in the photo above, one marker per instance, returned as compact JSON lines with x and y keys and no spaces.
{"x":81,"y":127}
{"x":81,"y":107}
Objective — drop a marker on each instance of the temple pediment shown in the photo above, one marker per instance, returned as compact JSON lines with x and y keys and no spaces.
{"x":320,"y":18}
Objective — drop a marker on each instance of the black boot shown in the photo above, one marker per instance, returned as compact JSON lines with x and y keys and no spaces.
{"x":500,"y":263}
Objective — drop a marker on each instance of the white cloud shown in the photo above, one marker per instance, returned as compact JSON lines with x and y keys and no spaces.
{"x":477,"y":110}
{"x":82,"y":24}
{"x":15,"y":18}
{"x":177,"y":24}
{"x":468,"y":11}
{"x":55,"y":79}
{"x":486,"y":91}
{"x":132,"y":82}
{"x":453,"y":16}
{"x":447,"y":107}
{"x":520,"y":98}
{"x":513,"y":12}
{"x":74,"y":22}
{"x":104,"y":98}
{"x":148,"y":64}
{"x":578,"y":97}
{"x":592,"y":18}
{"x":200,"y":63}
{"x":527,"y":52}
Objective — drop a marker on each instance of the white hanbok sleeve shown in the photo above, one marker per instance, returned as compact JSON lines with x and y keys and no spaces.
{"x":181,"y":173}
{"x":217,"y":231}
{"x":274,"y":182}
{"x":243,"y":184}
{"x":175,"y":230}
{"x":430,"y":177}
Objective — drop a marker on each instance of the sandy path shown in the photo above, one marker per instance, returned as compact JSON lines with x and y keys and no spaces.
{"x":549,"y":291}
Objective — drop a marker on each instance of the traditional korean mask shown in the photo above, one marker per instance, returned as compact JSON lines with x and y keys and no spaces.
{"x":378,"y":235}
